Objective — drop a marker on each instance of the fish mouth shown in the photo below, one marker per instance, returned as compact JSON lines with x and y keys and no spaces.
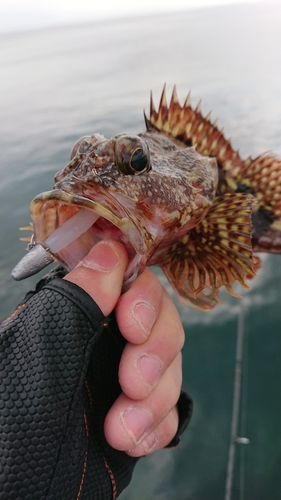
{"x":69,"y":226}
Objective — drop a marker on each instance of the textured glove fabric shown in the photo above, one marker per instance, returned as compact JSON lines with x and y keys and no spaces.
{"x":58,"y":365}
{"x":59,"y":359}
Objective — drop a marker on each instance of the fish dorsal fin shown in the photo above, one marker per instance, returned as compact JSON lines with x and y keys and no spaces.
{"x":189,"y":126}
{"x":217,"y":252}
{"x":259,"y":177}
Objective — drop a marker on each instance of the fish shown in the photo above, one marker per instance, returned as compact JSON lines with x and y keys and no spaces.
{"x":177,"y":195}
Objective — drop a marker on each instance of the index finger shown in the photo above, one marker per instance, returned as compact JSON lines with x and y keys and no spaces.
{"x":139,"y":308}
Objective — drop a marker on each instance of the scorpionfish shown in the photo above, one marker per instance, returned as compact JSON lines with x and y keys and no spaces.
{"x":177,"y":196}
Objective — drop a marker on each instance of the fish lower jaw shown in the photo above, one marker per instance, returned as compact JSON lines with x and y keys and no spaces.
{"x":72,"y":236}
{"x":101,"y":230}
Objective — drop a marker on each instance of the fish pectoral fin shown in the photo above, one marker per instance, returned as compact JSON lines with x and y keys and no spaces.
{"x":215,"y":253}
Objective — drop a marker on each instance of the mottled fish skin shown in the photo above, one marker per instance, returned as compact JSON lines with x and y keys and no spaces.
{"x":178,"y":196}
{"x":259,"y":176}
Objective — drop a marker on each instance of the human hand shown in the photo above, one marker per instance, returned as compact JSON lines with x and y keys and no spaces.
{"x":144,"y":417}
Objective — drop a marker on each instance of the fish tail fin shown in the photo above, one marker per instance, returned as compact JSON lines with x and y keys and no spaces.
{"x":261,"y":177}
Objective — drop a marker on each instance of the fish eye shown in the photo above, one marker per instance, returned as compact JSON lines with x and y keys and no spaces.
{"x":138,"y":160}
{"x":131,"y":155}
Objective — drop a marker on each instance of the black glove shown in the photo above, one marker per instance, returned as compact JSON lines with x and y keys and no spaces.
{"x":59,"y":377}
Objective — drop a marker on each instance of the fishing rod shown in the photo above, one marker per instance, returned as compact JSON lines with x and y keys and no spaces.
{"x":234,"y":438}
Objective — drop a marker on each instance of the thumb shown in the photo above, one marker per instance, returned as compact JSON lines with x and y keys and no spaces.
{"x":101,"y":273}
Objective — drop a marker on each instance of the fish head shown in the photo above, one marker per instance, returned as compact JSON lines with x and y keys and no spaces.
{"x":146,"y":190}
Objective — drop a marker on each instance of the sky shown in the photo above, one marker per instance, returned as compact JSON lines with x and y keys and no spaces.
{"x":29,"y":14}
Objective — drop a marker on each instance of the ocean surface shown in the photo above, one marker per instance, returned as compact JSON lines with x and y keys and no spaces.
{"x":61,"y":83}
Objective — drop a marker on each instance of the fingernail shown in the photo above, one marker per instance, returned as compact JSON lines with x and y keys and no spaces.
{"x":150,"y":442}
{"x":145,"y":316}
{"x":147,"y":446}
{"x":137,"y":422}
{"x":150,"y":369}
{"x":102,"y":257}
